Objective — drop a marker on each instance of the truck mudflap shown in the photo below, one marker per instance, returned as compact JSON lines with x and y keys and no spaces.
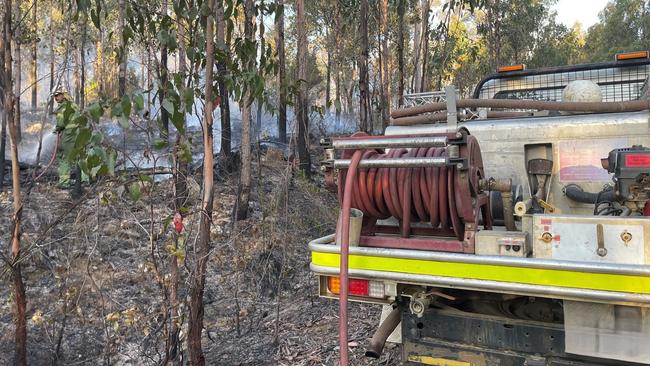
{"x":610,"y":283}
{"x":455,"y":338}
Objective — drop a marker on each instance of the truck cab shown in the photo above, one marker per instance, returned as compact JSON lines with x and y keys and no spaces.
{"x":509,"y":228}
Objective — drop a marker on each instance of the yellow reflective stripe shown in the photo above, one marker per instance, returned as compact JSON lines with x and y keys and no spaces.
{"x":437,"y":361}
{"x":532,"y":276}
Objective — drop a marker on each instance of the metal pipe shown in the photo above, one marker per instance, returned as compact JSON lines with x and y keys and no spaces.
{"x":383,"y":332}
{"x":394,"y":163}
{"x":442,"y":116}
{"x":598,"y":107}
{"x":389,"y":143}
{"x":523,"y":206}
{"x":508,"y":211}
{"x":501,"y":185}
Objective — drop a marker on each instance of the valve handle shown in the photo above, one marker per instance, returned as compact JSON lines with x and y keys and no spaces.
{"x":600,"y":238}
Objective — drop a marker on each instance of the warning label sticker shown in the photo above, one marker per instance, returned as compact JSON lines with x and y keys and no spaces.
{"x":580,"y":159}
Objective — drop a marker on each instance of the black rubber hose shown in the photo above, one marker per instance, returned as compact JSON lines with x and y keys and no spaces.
{"x":383,"y":332}
{"x":576,"y":193}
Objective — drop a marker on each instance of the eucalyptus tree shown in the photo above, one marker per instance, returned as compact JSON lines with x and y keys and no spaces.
{"x":223,"y":55}
{"x":624,"y":25}
{"x":33,"y":73}
{"x":123,"y":49}
{"x":365,"y":114}
{"x":302,"y":116}
{"x":247,"y":65}
{"x":195,"y":326}
{"x":279,"y":44}
{"x":385,"y":69}
{"x":17,"y":39}
{"x":401,"y":10}
{"x":13,"y":261}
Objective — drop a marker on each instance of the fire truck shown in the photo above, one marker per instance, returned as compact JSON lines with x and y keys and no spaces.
{"x":508,"y":228}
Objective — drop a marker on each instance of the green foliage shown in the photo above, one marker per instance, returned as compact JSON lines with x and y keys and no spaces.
{"x":177,"y":249}
{"x":315,"y":78}
{"x":247,"y":72}
{"x":528,"y":32}
{"x":81,"y":143}
{"x":135,"y":191}
{"x":624,"y":26}
{"x":558,"y":46}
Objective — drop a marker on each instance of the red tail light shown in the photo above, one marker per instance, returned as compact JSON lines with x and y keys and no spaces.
{"x":637,"y":160}
{"x":357,"y":287}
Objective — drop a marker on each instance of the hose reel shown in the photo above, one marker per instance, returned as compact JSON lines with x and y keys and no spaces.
{"x":433,"y":185}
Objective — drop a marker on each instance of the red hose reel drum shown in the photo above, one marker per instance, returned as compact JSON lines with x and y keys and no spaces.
{"x":447,"y":198}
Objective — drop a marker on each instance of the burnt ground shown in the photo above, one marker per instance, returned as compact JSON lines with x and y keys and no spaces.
{"x":94,"y":294}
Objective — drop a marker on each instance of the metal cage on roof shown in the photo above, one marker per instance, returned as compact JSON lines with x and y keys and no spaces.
{"x":619,"y":81}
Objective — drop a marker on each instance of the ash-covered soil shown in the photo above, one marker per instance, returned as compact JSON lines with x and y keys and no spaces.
{"x":93,"y":284}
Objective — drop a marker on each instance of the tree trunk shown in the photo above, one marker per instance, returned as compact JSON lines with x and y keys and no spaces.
{"x":401,"y":8}
{"x":260,"y":99}
{"x":143,"y":68}
{"x":3,"y":146}
{"x":162,"y":92}
{"x":337,"y":55}
{"x":337,"y":105}
{"x":386,"y":69}
{"x":18,"y":73}
{"x":279,"y":42}
{"x":79,"y":98}
{"x":82,"y":62}
{"x":302,"y":105}
{"x":52,"y":56}
{"x":195,"y":325}
{"x":258,"y":120}
{"x":364,"y":108}
{"x":181,"y":169}
{"x":34,"y":65}
{"x":328,"y":76}
{"x":247,"y":100}
{"x":180,"y":182}
{"x":244,"y":188}
{"x":349,"y":94}
{"x":121,"y":88}
{"x":76,"y":76}
{"x":20,"y":335}
{"x":226,"y":132}
{"x":422,"y":87}
{"x":417,"y":41}
{"x":149,"y":80}
{"x":376,"y":95}
{"x":99,"y":62}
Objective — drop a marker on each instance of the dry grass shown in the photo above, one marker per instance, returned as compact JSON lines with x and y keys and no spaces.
{"x":94,"y":272}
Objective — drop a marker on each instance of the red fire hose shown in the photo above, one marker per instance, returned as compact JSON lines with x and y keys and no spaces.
{"x":408,"y":194}
{"x":424,"y":194}
{"x":442,"y":195}
{"x":345,"y":246}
